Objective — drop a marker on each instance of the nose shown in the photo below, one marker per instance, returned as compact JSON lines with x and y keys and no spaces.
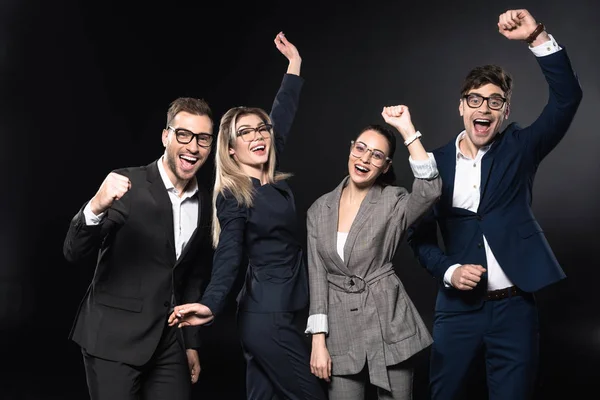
{"x":192,"y":146}
{"x":366,"y":158}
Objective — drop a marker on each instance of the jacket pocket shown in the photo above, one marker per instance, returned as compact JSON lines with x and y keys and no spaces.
{"x":529,"y":228}
{"x":122,"y":303}
{"x":338,"y":339}
{"x":395,"y":316}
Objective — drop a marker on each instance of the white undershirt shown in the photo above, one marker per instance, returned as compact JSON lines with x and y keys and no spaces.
{"x":341,"y":242}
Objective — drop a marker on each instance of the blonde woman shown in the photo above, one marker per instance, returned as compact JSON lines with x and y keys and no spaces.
{"x":255,"y":217}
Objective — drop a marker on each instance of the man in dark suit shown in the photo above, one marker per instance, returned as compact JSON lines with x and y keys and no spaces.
{"x":150,"y":227}
{"x":495,"y":255}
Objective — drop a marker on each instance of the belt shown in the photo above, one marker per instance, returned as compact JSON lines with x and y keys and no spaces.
{"x":504,"y":293}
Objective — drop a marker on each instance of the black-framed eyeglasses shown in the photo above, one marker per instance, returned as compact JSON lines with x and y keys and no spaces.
{"x":250,"y":134}
{"x":378,"y":157}
{"x":475,"y":100}
{"x":184,"y":136}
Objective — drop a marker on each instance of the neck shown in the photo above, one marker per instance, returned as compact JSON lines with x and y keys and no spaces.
{"x":468,"y":148}
{"x":353,"y":194}
{"x":258,"y":172}
{"x":179,"y":184}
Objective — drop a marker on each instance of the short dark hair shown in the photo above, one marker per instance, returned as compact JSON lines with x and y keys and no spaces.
{"x":482,"y":75}
{"x":389,"y":178}
{"x":189,"y":105}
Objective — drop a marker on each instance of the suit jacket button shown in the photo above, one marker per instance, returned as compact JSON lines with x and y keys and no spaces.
{"x":480,"y":245}
{"x":166,"y":304}
{"x":351,"y":282}
{"x":479,"y":217}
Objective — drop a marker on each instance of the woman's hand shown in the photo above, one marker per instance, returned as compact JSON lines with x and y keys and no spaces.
{"x":320,"y":361}
{"x":290,"y":52}
{"x":190,"y":315}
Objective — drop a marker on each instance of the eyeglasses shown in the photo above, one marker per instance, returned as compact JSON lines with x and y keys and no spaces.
{"x":184,"y":136}
{"x":250,"y":134}
{"x":358,"y":150}
{"x":475,"y":100}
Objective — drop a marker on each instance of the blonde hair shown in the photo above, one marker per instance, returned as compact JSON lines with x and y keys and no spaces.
{"x":229,"y":177}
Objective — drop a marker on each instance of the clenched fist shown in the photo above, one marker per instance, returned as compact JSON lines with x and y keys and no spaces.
{"x":113,"y":188}
{"x":399,"y":118}
{"x":467,"y":276}
{"x":518,"y":25}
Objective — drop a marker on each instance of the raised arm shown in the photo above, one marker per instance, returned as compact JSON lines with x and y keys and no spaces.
{"x":286,"y":101}
{"x":565,"y":92}
{"x":97,"y":218}
{"x":427,"y":186}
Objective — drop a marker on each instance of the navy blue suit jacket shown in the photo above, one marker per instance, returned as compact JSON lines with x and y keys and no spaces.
{"x":504,"y":215}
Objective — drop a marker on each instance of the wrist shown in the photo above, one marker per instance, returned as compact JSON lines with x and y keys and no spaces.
{"x":318,"y":339}
{"x":537,"y":36}
{"x":94,"y":207}
{"x":409,"y":140}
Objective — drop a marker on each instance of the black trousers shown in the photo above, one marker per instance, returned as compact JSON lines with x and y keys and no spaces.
{"x":277,"y":358}
{"x":165,"y":376}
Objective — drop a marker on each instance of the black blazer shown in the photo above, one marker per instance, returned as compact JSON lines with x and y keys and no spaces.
{"x":124,"y":311}
{"x":265,"y":234}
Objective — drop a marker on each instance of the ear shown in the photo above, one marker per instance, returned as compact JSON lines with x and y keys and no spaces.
{"x":460,"y":107}
{"x":387,"y":167}
{"x":165,"y":137}
{"x":507,"y":111}
{"x":231,"y":151}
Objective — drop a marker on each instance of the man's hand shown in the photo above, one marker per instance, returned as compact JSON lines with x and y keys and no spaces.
{"x":191,"y":314}
{"x":399,"y":118}
{"x":518,"y":25}
{"x":467,"y":276}
{"x":320,"y":361}
{"x":113,"y":188}
{"x":193,"y":363}
{"x":290,"y":52}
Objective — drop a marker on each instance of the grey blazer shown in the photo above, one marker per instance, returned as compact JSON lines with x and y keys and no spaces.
{"x":370,"y":316}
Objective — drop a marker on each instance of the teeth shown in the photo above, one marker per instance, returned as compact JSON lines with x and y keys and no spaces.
{"x":258,"y":148}
{"x":361,"y":168}
{"x":192,"y":159}
{"x":482,"y":120}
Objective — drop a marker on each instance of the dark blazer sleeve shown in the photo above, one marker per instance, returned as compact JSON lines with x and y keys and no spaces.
{"x":423,"y":240}
{"x":83,"y":240}
{"x":565,"y":95}
{"x":228,"y":254}
{"x":284,"y":109}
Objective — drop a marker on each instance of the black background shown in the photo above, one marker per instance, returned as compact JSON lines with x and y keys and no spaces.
{"x":85,"y":87}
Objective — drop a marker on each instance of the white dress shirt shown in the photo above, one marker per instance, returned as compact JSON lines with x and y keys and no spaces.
{"x":467,"y":192}
{"x":185,"y":210}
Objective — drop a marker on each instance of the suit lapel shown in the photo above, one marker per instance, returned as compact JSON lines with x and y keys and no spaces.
{"x":359,"y":221}
{"x":203,"y":214}
{"x":446,"y":159}
{"x":164,"y":206}
{"x":330,"y":219}
{"x":487,"y":162}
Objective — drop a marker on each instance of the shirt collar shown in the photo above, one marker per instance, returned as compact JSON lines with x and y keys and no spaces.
{"x":190,"y":189}
{"x":459,"y":153}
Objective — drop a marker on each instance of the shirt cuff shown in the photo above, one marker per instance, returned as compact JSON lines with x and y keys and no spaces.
{"x":317,"y":323}
{"x":424,"y":169}
{"x":545,"y":49}
{"x":448,"y":275}
{"x":90,"y":217}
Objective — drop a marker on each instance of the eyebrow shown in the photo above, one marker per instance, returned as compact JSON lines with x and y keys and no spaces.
{"x":381,"y":151}
{"x":491,"y":95}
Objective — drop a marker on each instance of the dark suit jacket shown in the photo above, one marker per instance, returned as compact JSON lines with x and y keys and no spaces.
{"x":266,"y":233}
{"x":125,"y":309}
{"x":504,"y":215}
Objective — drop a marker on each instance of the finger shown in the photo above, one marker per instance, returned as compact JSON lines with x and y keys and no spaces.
{"x":328,"y":370}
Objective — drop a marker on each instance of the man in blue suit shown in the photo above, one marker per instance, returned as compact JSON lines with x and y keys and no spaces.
{"x":495,"y":254}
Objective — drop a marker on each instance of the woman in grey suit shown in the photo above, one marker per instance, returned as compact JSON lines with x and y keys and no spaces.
{"x":364,"y":327}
